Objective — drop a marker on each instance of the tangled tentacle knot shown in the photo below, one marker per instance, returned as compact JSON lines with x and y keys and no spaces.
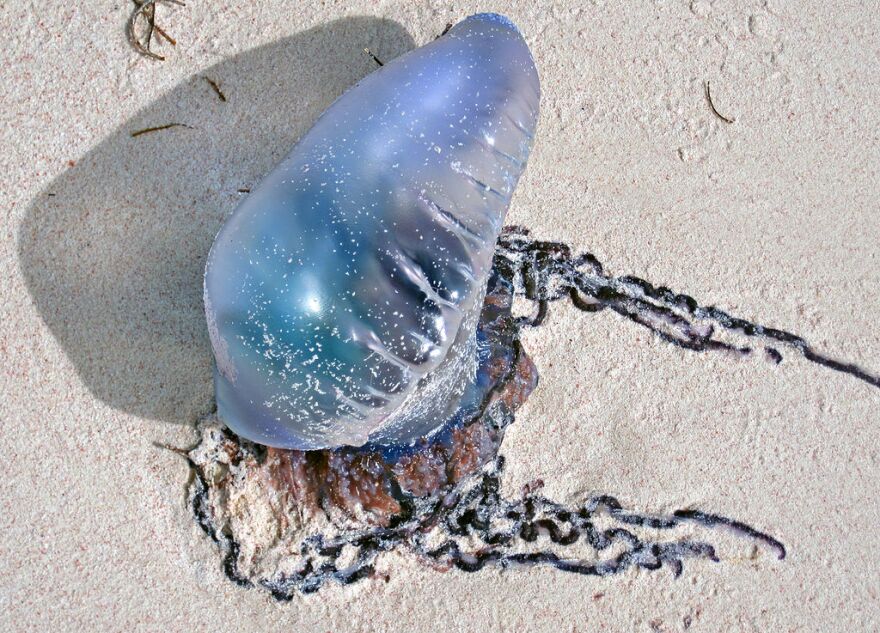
{"x":484,"y":528}
{"x":475,"y":526}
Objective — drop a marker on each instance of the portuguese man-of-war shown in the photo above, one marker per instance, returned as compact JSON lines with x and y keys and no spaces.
{"x":368,"y":358}
{"x":342,"y":296}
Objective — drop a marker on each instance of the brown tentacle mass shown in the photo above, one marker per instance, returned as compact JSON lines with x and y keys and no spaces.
{"x":293,"y":521}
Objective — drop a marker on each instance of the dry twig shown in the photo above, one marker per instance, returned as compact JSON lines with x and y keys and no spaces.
{"x":712,"y":105}
{"x":147,"y":130}
{"x":373,"y":57}
{"x":215,"y":87}
{"x":145,"y":11}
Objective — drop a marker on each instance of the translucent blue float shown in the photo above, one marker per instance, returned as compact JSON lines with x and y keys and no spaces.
{"x":342,"y":296}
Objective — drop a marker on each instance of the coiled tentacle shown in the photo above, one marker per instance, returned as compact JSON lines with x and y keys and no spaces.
{"x":544,"y":272}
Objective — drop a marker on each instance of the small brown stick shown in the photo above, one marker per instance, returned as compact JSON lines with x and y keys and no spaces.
{"x":373,"y":57}
{"x":164,"y":35}
{"x":147,"y":130}
{"x":712,"y":105}
{"x":216,"y":87}
{"x":445,"y":30}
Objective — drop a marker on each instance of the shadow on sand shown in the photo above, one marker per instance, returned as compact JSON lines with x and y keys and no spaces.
{"x":113,"y":249}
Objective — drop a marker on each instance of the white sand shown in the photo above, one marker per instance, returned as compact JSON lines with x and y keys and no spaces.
{"x":774,"y":217}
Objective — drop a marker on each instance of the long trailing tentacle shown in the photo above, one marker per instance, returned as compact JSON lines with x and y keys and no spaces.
{"x":544,"y":272}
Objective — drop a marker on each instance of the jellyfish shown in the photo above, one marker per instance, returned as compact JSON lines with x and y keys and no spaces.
{"x":342,"y":296}
{"x":360,"y":306}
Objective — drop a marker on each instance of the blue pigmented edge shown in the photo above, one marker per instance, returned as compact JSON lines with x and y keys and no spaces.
{"x":497,"y":18}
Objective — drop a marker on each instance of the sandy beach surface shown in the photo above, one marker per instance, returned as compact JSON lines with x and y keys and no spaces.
{"x":773,"y":216}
